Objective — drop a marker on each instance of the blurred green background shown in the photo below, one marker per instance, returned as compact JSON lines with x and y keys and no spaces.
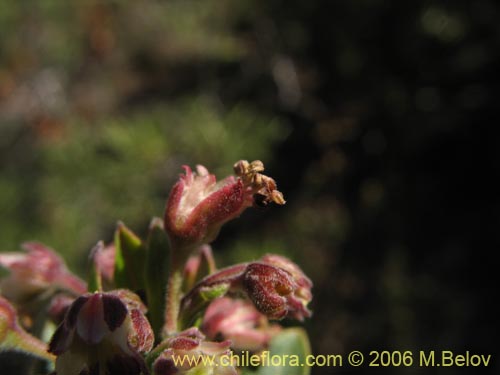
{"x":375,"y":117}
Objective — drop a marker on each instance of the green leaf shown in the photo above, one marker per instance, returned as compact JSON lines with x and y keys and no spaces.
{"x":292,"y":344}
{"x":199,"y":301}
{"x":130,"y":259}
{"x":157,"y":264}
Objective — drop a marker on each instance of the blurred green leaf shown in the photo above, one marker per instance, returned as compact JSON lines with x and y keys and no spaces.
{"x":157,"y":265}
{"x":130,"y":259}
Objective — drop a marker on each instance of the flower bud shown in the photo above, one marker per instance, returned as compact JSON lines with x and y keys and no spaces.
{"x":278,"y":288}
{"x":189,"y":353}
{"x":240,"y":322}
{"x":35,"y":272}
{"x":103,"y":333}
{"x":303,"y":290}
{"x":198,"y":205}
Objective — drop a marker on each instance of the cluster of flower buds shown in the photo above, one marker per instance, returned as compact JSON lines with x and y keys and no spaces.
{"x":105,"y":328}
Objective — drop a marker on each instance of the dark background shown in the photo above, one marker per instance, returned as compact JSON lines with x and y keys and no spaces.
{"x":376,"y":118}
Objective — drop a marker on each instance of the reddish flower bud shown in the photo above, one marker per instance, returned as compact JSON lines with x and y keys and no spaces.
{"x":268,"y":287}
{"x":304,"y":285}
{"x":35,"y":272}
{"x":276,"y":286}
{"x":198,"y":206}
{"x":103,"y":333}
{"x":189,"y":353}
{"x":238,"y":321}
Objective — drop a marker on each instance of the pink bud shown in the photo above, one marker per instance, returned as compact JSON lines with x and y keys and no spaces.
{"x":239,"y":321}
{"x":39,"y":269}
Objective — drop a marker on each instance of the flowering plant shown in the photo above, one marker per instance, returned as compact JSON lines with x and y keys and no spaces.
{"x":148,"y":308}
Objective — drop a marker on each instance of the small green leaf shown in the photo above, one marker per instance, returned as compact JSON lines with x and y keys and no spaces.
{"x":199,"y":301}
{"x":130,"y":259}
{"x":208,"y":294}
{"x":157,"y":264}
{"x":292,"y":347}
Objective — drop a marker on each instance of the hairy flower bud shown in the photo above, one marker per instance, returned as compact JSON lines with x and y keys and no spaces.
{"x":198,"y":205}
{"x":302,"y":292}
{"x":277,"y":287}
{"x":103,"y":333}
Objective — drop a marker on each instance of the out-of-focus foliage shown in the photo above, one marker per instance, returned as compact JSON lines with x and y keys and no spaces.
{"x":373,"y":116}
{"x":87,"y":156}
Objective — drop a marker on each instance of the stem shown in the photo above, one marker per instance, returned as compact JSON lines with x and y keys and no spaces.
{"x":178,"y":256}
{"x":172,"y":304}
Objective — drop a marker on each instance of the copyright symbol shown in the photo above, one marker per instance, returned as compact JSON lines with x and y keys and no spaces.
{"x":355,"y":358}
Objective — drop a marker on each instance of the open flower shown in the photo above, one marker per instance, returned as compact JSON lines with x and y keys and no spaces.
{"x":239,"y":321}
{"x":198,"y":205}
{"x":36,"y":271}
{"x":103,"y":333}
{"x":189,"y":353}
